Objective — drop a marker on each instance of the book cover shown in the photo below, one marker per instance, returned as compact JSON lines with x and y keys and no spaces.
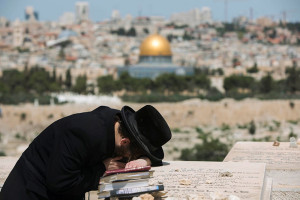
{"x":126,"y":170}
{"x":130,"y":192}
{"x":123,"y":184}
{"x":126,"y":176}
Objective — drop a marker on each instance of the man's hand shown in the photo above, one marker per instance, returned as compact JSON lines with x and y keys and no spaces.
{"x":141,"y":162}
{"x":113,"y":163}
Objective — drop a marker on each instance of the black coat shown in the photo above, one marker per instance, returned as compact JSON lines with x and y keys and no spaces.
{"x":66,"y":159}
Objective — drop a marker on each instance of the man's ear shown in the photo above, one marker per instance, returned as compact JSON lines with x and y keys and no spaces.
{"x":125,"y":141}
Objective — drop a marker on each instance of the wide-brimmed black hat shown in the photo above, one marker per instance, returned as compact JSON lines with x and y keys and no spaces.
{"x":149,"y":128}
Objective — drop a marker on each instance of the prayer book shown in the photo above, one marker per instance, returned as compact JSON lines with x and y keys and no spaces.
{"x":130,"y":192}
{"x":128,"y":182}
{"x":126,"y":176}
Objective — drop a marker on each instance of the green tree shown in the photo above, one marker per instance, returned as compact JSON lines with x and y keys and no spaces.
{"x":107,"y":85}
{"x":68,"y":81}
{"x":14,"y":81}
{"x":202,"y":81}
{"x":187,"y":36}
{"x":131,"y":32}
{"x":121,"y":31}
{"x":235,"y":82}
{"x":134,"y":84}
{"x":266,"y":84}
{"x":293,"y":79}
{"x":3,"y":88}
{"x":80,"y":85}
{"x":252,"y":128}
{"x":210,"y":150}
{"x":54,"y":74}
{"x":39,"y":80}
{"x":146,"y":30}
{"x":170,"y":82}
{"x":253,"y":69}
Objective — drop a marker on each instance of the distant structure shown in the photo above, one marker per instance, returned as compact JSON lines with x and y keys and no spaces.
{"x":115,"y":15}
{"x":3,"y":22}
{"x":18,"y":33}
{"x":68,"y":18}
{"x":241,"y":21}
{"x":264,"y":21}
{"x":82,"y":11}
{"x":193,"y":17}
{"x":155,"y":59}
{"x":30,"y":14}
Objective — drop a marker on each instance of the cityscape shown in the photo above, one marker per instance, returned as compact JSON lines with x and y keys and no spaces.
{"x":97,"y":49}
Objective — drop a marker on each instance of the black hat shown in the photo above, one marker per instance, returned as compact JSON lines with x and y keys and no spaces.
{"x":149,"y":128}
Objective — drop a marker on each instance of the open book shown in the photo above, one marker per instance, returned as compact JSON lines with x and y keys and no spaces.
{"x":127,"y":170}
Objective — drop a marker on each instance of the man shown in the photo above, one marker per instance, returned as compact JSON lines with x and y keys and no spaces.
{"x":68,"y":158}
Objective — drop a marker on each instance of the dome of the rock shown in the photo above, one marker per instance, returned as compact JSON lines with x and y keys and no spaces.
{"x":155,"y":45}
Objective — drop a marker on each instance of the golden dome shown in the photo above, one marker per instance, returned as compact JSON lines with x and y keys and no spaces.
{"x":155,"y":45}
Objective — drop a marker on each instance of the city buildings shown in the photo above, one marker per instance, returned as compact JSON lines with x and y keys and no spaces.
{"x":194,"y":40}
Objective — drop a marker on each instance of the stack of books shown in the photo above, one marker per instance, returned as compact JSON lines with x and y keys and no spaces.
{"x":129,"y":182}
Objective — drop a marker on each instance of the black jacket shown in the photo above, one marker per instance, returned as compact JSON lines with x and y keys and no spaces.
{"x":65,"y":160}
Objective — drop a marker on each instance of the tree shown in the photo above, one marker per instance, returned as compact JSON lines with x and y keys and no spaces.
{"x":170,"y":37}
{"x":146,"y":30}
{"x":252,"y":128}
{"x":134,"y":84}
{"x":68,"y":81}
{"x":235,"y":82}
{"x":253,"y":69}
{"x":13,"y":80}
{"x":131,"y":32}
{"x":107,"y":85}
{"x":121,"y":31}
{"x":293,"y":79}
{"x":170,"y":82}
{"x":202,"y":81}
{"x":39,"y":80}
{"x":187,"y":36}
{"x":80,"y":85}
{"x":211,"y":149}
{"x":266,"y":84}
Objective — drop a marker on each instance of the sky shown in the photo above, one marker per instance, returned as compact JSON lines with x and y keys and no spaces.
{"x":101,"y":9}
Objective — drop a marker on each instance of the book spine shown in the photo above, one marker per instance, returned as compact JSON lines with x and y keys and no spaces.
{"x":128,"y":191}
{"x":124,"y":184}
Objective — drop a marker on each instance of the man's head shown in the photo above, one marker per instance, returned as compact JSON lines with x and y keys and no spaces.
{"x":125,"y":144}
{"x":147,"y":131}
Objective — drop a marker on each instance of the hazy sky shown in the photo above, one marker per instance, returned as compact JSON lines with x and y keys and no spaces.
{"x":100,"y":9}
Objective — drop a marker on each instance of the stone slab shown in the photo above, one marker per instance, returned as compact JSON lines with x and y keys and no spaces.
{"x":282,"y":162}
{"x":6,"y":165}
{"x":211,"y":180}
{"x":277,"y":157}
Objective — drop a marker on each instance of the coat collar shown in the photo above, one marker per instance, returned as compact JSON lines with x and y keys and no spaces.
{"x":108,"y":115}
